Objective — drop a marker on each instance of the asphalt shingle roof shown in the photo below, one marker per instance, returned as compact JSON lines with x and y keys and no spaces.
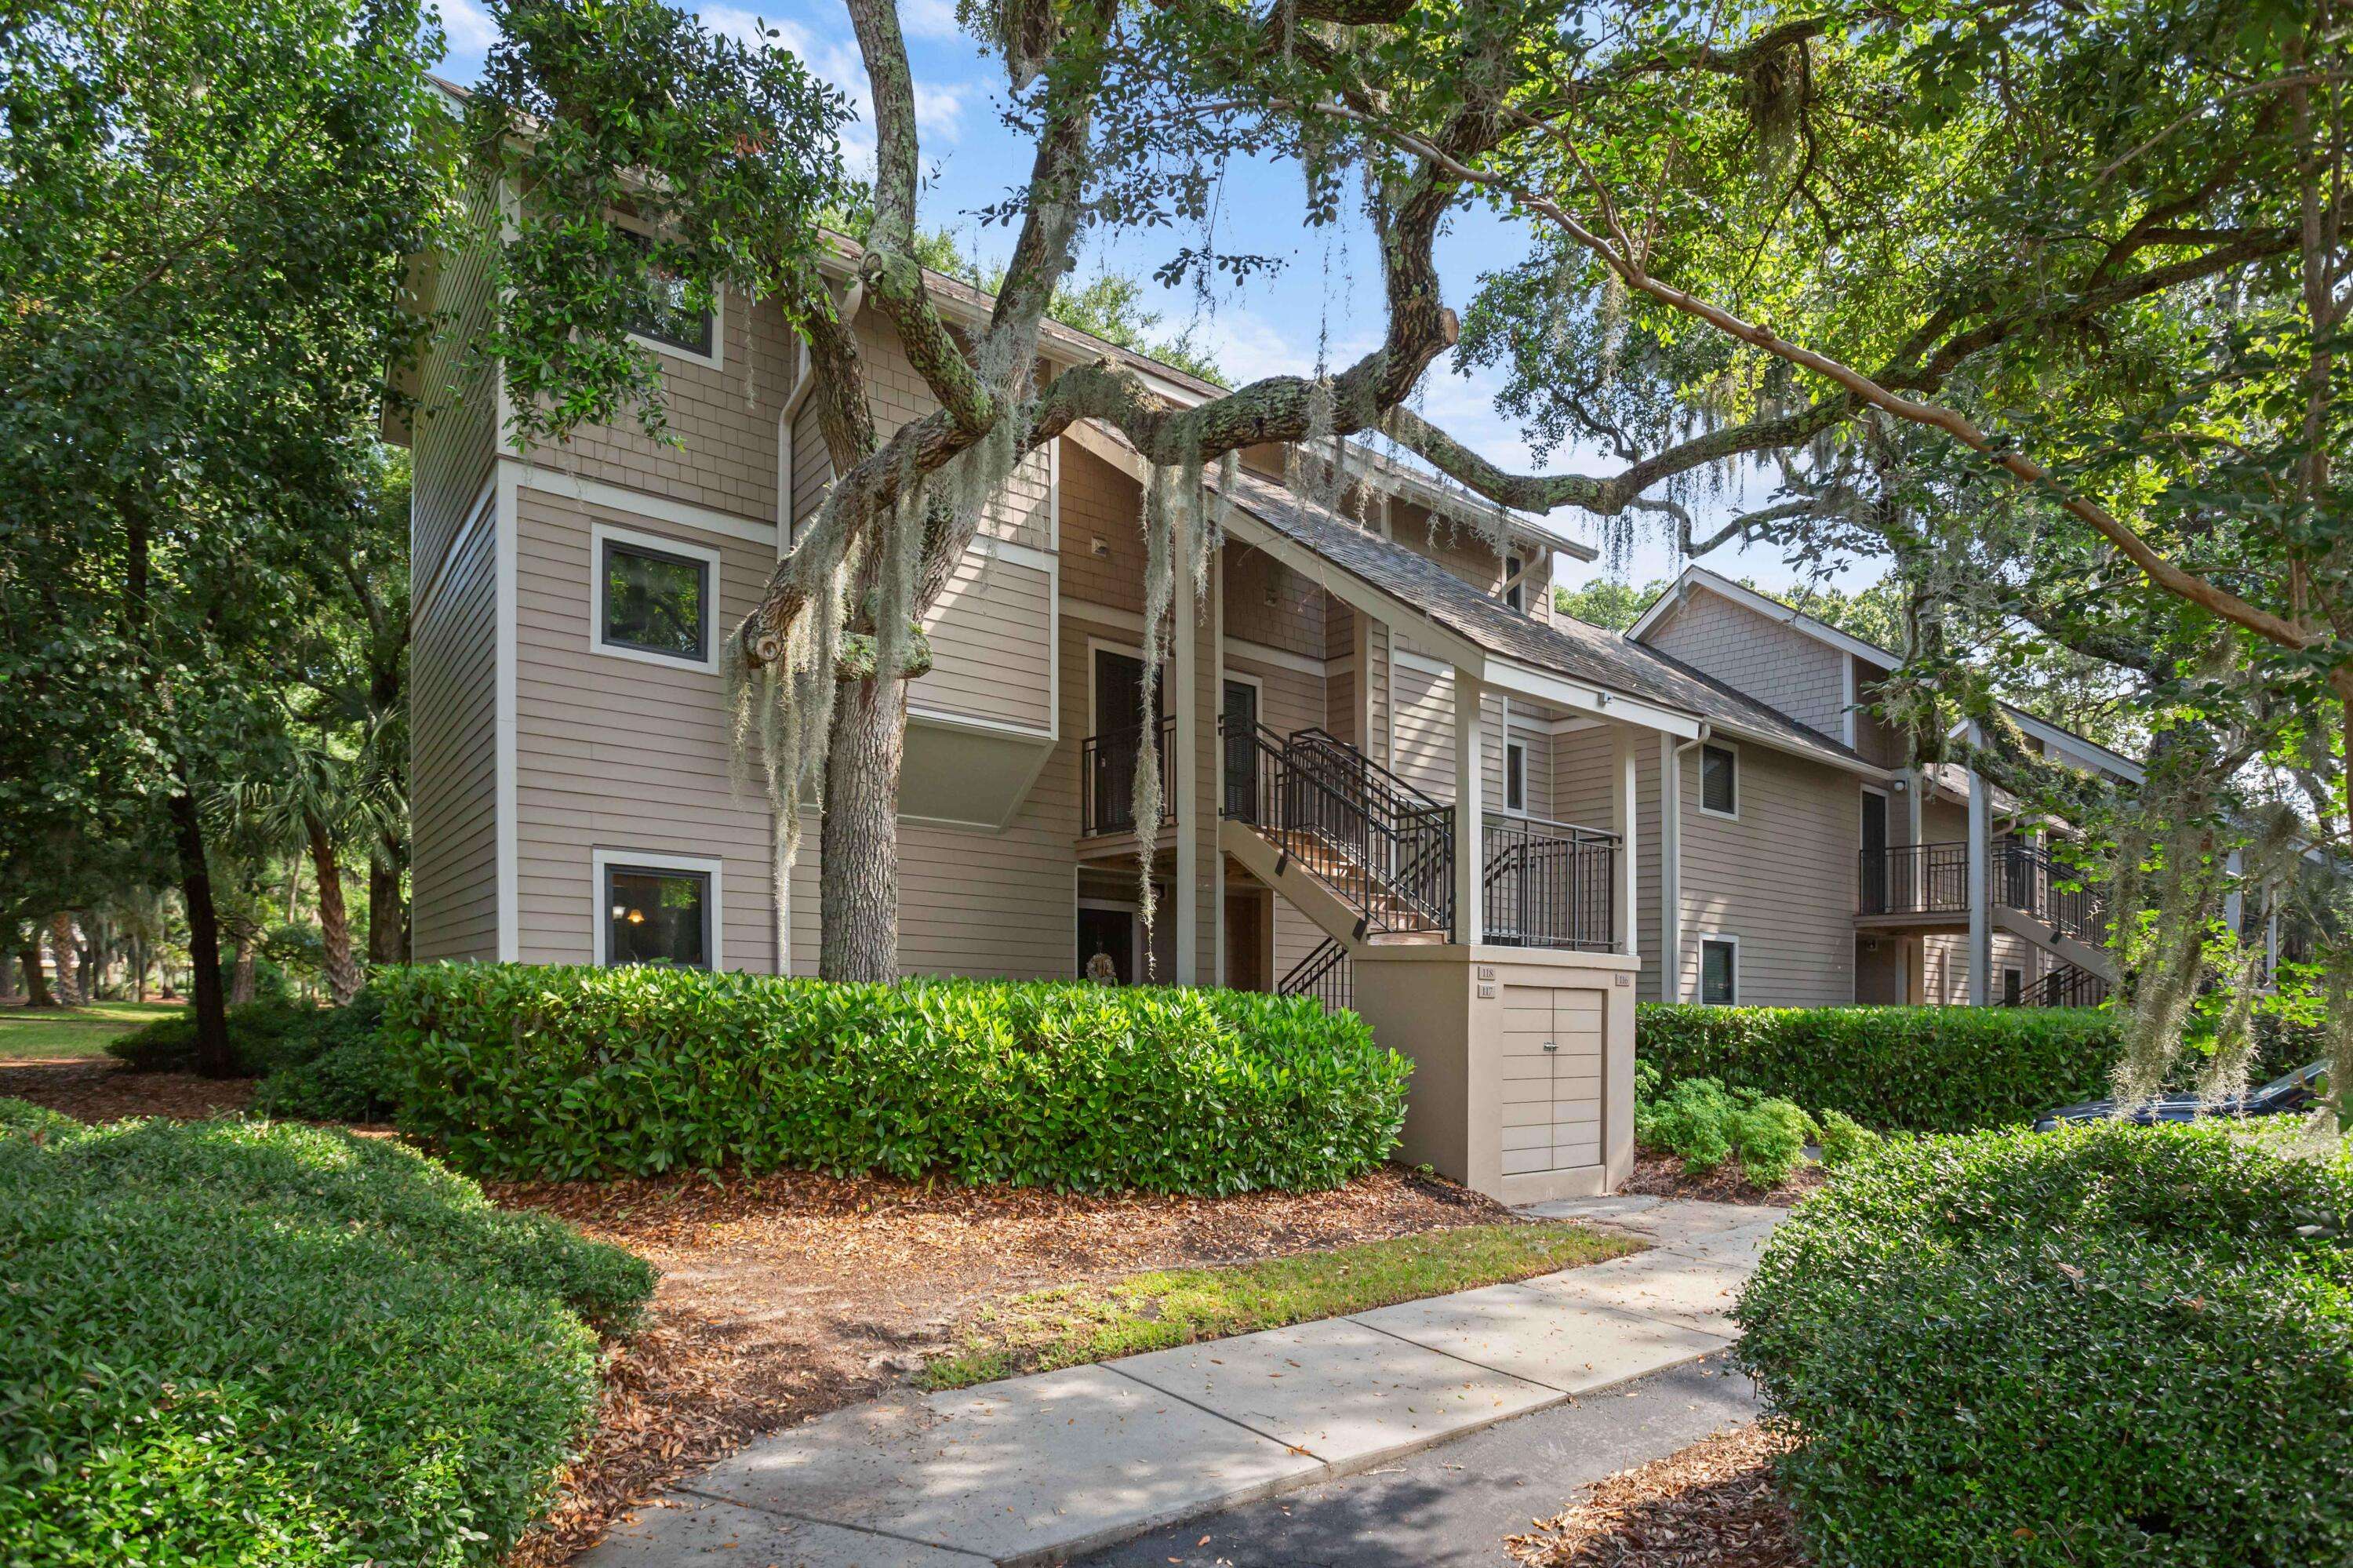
{"x":1567,"y":647}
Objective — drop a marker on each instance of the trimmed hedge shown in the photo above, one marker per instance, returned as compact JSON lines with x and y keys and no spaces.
{"x":2108,"y":1345}
{"x":523,"y":1071}
{"x":236,"y":1341}
{"x":1920,"y":1069}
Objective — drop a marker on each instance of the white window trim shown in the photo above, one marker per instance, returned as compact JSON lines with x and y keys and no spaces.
{"x":1699,"y":980}
{"x":1520,"y":747}
{"x":1245,"y":678}
{"x":2008,"y":970}
{"x":1701,"y":763}
{"x":599,"y":535}
{"x":716,"y":359}
{"x":603,"y":861}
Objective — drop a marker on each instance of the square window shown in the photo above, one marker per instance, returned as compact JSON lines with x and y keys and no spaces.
{"x":655,"y":601}
{"x":667,"y":319}
{"x":1516,"y":777}
{"x":1719,"y":972}
{"x":657,"y":917}
{"x":1719,"y":781}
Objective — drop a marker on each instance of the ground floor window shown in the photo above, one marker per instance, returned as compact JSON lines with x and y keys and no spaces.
{"x":657,"y":915}
{"x":1719,"y":971}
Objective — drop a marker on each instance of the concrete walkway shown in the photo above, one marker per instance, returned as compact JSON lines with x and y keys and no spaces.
{"x":1037,"y":1469}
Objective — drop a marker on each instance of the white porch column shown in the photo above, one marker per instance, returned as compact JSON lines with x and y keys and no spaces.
{"x":1185,"y":674}
{"x":1470,"y":815}
{"x":1981,"y":888}
{"x":2234,"y":904}
{"x":1623,"y":779}
{"x":1671,"y":871}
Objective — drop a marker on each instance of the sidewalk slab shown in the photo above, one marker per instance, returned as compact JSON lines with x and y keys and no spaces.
{"x":1348,"y":1394}
{"x":1529,"y":1334}
{"x":1013,"y":1471}
{"x":1680,"y":1287}
{"x":687,"y":1531}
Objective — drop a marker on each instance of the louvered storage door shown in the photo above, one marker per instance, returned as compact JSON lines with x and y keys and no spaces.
{"x":1552,"y":1079}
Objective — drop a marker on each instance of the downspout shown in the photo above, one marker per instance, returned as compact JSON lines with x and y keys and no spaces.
{"x":1670,"y":862}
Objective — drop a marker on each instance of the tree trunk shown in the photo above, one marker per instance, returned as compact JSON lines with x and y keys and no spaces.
{"x":334,"y":925}
{"x":138,"y":969}
{"x":860,"y":904}
{"x":214,"y":1057}
{"x":388,"y":911}
{"x":240,"y":979}
{"x":36,"y":984}
{"x":66,"y":954}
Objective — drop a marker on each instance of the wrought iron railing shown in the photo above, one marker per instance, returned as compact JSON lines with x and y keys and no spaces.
{"x":1550,"y":884}
{"x":1323,"y":974}
{"x":1107,"y":779}
{"x":1914,"y":879}
{"x":2027,"y":879}
{"x":1384,"y":846}
{"x":2068,"y":985}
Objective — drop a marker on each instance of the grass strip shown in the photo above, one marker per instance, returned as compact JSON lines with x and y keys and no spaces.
{"x":1074,"y":1325}
{"x":27,"y":1032}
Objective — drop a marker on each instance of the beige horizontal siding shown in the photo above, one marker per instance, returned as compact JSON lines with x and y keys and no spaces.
{"x":453,"y":430}
{"x":453,"y":754}
{"x":619,"y":754}
{"x":989,"y":632}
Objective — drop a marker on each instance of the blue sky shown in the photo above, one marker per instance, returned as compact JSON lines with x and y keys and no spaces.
{"x":1327,"y":295}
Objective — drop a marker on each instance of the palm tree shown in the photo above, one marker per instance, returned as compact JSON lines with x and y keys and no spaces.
{"x":306,"y":809}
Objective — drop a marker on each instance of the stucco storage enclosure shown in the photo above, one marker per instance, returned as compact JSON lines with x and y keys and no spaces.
{"x":1523,"y":1064}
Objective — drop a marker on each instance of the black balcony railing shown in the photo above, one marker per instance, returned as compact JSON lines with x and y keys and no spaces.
{"x":1323,"y":974}
{"x":1107,"y":779}
{"x":1914,"y":879}
{"x":1550,"y":884}
{"x":2029,"y":880}
{"x":1383,"y":845}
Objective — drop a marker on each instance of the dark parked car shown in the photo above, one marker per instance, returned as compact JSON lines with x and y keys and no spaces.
{"x":2290,"y":1092}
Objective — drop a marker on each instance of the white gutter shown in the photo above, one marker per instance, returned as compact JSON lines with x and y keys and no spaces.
{"x":1671,"y":861}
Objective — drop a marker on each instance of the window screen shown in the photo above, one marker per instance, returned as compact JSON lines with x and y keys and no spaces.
{"x":656,"y":602}
{"x":1719,"y":779}
{"x":1719,"y":974}
{"x":657,"y":917}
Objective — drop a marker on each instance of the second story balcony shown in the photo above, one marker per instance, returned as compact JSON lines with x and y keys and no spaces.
{"x":1928,"y":884}
{"x":1107,"y":779}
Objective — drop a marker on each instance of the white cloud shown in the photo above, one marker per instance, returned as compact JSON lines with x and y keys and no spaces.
{"x":834,"y":57}
{"x":468,"y":26}
{"x":929,"y":18}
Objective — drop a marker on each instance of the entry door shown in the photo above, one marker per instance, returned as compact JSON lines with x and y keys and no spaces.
{"x":1112,"y":933}
{"x":1241,"y":753}
{"x":1875,"y":853}
{"x":1552,"y":1079}
{"x":1119,"y":691}
{"x":1246,"y":917}
{"x":1118,"y":733}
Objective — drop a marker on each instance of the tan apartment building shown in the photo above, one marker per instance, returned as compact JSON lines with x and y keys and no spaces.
{"x":1394,"y":777}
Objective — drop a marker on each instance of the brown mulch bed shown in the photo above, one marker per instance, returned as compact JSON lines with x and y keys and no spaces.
{"x":1662,"y":1175}
{"x":787,"y":1296}
{"x":108,"y":1090}
{"x":1711,"y":1505}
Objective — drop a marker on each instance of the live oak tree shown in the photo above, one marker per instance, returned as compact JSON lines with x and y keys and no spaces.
{"x":205,"y":210}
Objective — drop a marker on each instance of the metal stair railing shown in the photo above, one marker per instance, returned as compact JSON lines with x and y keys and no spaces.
{"x":2068,"y":985}
{"x":1324,"y":974}
{"x":1550,"y":884}
{"x":2030,"y":881}
{"x":1383,"y":845}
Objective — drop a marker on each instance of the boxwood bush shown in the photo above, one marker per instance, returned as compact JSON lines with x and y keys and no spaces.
{"x":1922,"y":1069}
{"x":523,"y":1071}
{"x":237,"y":1341}
{"x":2106,"y":1345}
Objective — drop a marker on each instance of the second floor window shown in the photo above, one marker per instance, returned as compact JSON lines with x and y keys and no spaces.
{"x":655,"y":602}
{"x":1516,"y":592}
{"x":666,"y":318}
{"x":1719,"y":781}
{"x":1516,"y":777}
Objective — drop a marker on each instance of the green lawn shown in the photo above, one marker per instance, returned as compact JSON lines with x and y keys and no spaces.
{"x":74,"y":1030}
{"x":1072,"y":1325}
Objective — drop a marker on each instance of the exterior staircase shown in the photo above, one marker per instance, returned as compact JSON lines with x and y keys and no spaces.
{"x":1370,"y":859}
{"x":2047,"y":904}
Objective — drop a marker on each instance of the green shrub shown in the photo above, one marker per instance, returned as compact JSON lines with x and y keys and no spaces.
{"x":1845,"y":1140}
{"x":338,"y":1071}
{"x":531,"y":1072}
{"x":236,"y":1341}
{"x":259,"y":1038}
{"x":1919,"y":1069}
{"x":1706,"y":1124}
{"x":2106,"y":1345}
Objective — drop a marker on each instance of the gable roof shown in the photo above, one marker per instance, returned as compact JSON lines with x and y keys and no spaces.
{"x":1568,"y":648}
{"x":2055,"y":737}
